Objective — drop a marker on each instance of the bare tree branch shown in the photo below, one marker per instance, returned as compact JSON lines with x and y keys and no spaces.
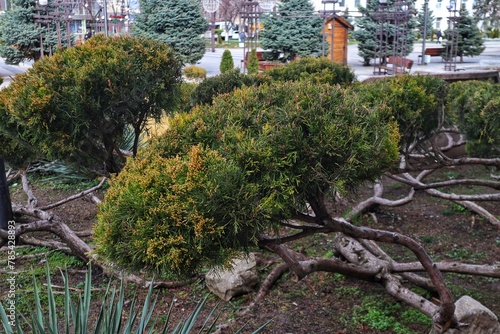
{"x":452,"y":267}
{"x":73,"y":197}
{"x":480,"y":211}
{"x":377,"y":199}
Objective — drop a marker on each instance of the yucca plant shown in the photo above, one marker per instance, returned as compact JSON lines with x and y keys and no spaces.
{"x":110,"y":321}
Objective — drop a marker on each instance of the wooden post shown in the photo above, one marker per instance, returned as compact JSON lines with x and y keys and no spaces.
{"x":5,"y":203}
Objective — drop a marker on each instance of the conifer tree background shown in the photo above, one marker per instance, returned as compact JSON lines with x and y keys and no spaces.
{"x":366,"y":33}
{"x":488,"y":11}
{"x":470,"y":40}
{"x":20,"y":34}
{"x":179,"y":23}
{"x":430,"y":22}
{"x":293,"y":30}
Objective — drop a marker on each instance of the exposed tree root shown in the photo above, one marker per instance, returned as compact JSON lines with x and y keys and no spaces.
{"x":264,"y":289}
{"x":273,"y":276}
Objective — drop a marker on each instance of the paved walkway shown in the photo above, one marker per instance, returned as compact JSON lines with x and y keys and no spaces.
{"x":488,"y":59}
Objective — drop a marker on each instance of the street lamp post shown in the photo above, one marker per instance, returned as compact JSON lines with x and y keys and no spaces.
{"x":424,"y":37}
{"x":105,"y":12}
{"x":211,"y":6}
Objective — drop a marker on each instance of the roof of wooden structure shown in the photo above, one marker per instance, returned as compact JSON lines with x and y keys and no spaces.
{"x":341,"y":20}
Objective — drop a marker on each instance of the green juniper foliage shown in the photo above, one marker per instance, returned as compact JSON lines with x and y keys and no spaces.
{"x":224,"y":172}
{"x":415,"y":102}
{"x":317,"y":70}
{"x":222,"y":83}
{"x":475,"y":108}
{"x":76,"y":105}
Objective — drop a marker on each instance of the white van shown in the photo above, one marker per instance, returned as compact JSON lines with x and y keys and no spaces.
{"x":228,"y":31}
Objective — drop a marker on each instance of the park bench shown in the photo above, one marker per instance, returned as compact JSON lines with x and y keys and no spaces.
{"x":260,"y":58}
{"x":263,"y":63}
{"x":395,"y":65}
{"x":433,"y":52}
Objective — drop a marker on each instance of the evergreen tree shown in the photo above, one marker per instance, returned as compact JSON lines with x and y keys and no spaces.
{"x":227,"y":63}
{"x":430,"y":23}
{"x":346,"y":15}
{"x":367,"y":34}
{"x":253,"y":63}
{"x":179,"y":23}
{"x":76,"y":105}
{"x":487,"y":11}
{"x":470,"y":40}
{"x":20,"y":34}
{"x":293,"y":30}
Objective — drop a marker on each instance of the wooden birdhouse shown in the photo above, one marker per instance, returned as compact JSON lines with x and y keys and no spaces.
{"x":336,"y":30}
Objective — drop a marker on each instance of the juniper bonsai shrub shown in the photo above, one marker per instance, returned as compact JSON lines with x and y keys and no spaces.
{"x":227,"y":171}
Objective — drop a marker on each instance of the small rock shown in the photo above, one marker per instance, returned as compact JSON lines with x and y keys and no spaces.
{"x":477,"y":318}
{"x":241,"y":279}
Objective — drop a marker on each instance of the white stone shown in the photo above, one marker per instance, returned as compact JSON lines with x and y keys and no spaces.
{"x":476,"y":318}
{"x":240,"y":279}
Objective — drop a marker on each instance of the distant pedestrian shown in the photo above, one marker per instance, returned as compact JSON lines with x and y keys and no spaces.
{"x":439,"y":35}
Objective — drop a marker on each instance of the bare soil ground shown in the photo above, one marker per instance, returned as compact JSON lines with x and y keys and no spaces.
{"x":321,"y":303}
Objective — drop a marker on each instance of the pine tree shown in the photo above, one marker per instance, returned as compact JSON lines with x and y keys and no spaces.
{"x":470,"y":40}
{"x":20,"y":34}
{"x":293,"y":30}
{"x":346,"y":15}
{"x":487,"y":11}
{"x":368,"y":30}
{"x":430,"y":23}
{"x":227,"y":63}
{"x":253,"y":63}
{"x":179,"y":23}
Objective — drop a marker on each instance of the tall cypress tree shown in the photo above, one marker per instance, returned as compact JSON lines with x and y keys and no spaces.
{"x":179,"y":23}
{"x":470,"y":39}
{"x":293,"y":30}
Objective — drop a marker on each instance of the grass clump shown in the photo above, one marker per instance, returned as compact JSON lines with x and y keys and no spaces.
{"x":380,"y":314}
{"x":195,"y":72}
